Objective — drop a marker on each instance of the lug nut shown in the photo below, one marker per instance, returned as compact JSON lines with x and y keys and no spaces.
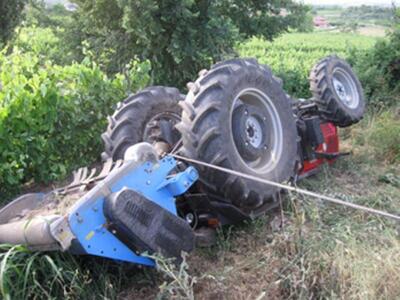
{"x":193,"y":87}
{"x":203,"y":72}
{"x":189,"y":218}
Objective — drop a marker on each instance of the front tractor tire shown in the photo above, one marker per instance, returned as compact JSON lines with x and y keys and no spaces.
{"x":337,"y":91}
{"x":237,"y":116}
{"x":147,"y":116}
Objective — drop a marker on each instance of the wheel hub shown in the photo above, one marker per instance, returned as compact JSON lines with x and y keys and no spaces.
{"x":341,"y":91}
{"x":249,"y":132}
{"x":253,"y":132}
{"x":256,"y":131}
{"x":345,"y":88}
{"x":162,"y":128}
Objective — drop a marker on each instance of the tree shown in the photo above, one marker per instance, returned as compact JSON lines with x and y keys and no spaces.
{"x":179,"y":37}
{"x":267,"y":18}
{"x":10,"y":12}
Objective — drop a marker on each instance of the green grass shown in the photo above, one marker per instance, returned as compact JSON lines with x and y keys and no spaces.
{"x":29,"y":275}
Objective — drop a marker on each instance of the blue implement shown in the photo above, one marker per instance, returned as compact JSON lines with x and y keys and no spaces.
{"x":153,"y":180}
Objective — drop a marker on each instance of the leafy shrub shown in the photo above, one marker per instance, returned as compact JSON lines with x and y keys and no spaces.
{"x":292,"y":56}
{"x":379,"y":70}
{"x":51,"y":116}
{"x":42,"y":42}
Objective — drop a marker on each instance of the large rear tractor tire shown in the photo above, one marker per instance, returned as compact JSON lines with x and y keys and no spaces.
{"x":337,"y":91}
{"x":237,"y":116}
{"x":147,"y":116}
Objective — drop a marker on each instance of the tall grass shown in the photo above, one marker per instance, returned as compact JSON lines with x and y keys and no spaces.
{"x":378,"y":136}
{"x":28,"y":275}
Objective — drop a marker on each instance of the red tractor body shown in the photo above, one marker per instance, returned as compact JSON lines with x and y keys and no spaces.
{"x":328,"y":150}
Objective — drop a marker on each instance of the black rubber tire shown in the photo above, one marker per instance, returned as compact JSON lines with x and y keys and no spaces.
{"x":206,"y":136}
{"x":326,"y":97}
{"x":127,"y":125}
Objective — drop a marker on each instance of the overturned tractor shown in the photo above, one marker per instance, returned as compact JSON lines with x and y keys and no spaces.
{"x":236,"y":116}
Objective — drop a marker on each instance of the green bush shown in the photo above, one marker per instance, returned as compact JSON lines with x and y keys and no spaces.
{"x":42,"y":42}
{"x":379,"y":70}
{"x":51,"y":116}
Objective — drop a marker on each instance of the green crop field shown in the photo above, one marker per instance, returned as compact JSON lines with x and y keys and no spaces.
{"x":292,"y":56}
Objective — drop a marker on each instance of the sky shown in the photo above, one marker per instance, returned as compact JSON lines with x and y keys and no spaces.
{"x":351,"y":2}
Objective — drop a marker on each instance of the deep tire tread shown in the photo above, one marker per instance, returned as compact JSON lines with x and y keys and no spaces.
{"x":125,"y":126}
{"x":325,"y":97}
{"x":201,"y":131}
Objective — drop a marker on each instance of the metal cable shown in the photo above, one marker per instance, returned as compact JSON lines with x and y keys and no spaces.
{"x":289,"y":188}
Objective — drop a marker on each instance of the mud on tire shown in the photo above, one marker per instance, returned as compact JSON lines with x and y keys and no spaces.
{"x":237,"y":116}
{"x":337,"y":91}
{"x":149,"y":115}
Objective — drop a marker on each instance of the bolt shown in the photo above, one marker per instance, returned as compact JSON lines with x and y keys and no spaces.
{"x":194,"y":87}
{"x":246,"y":144}
{"x":189,"y":218}
{"x":265,"y":147}
{"x":189,"y":85}
{"x":246,"y":112}
{"x":148,"y":182}
{"x":203,"y":72}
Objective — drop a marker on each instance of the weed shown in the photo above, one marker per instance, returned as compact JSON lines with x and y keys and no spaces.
{"x":180,"y":283}
{"x":390,"y":178}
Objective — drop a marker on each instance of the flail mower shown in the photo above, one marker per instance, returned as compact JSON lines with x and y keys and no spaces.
{"x":237,"y":116}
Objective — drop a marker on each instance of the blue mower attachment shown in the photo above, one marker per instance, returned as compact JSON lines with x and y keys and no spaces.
{"x":131,"y":211}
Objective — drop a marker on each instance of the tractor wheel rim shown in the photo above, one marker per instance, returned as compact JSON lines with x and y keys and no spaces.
{"x":345,"y":88}
{"x":254,"y":131}
{"x":265,"y":135}
{"x":153,"y":133}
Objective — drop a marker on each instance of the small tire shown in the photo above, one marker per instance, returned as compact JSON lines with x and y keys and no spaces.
{"x":208,"y":135}
{"x":147,"y":116}
{"x":337,"y":91}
